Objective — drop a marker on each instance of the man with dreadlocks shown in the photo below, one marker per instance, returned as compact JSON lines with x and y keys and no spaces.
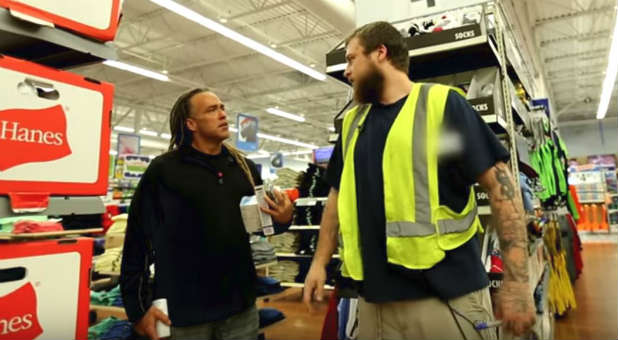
{"x":185,"y":218}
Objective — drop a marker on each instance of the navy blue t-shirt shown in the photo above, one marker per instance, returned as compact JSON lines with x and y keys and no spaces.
{"x":461,"y":271}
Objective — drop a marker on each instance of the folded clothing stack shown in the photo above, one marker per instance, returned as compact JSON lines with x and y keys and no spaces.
{"x":111,"y":328}
{"x":284,"y":271}
{"x":267,"y":286}
{"x":119,"y":224}
{"x":109,"y":262}
{"x":7,"y":223}
{"x":112,"y":297}
{"x":286,"y":178}
{"x":262,"y":251}
{"x":309,"y":215}
{"x":313,"y":182}
{"x":286,"y":242}
{"x":29,"y":227}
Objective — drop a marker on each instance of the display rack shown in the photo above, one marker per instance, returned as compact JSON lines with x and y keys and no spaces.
{"x":49,"y":45}
{"x":60,"y":205}
{"x":51,"y":234}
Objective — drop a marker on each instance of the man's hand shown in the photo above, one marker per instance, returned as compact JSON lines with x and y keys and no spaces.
{"x":147,"y":325}
{"x":282,"y":210}
{"x":515,"y":307}
{"x":314,"y":284}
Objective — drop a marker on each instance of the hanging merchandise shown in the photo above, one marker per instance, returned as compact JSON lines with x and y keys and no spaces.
{"x":247,"y":135}
{"x":561,"y":296}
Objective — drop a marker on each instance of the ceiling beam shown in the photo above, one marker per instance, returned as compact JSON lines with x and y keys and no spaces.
{"x":599,"y":51}
{"x":571,"y":15}
{"x":579,"y":37}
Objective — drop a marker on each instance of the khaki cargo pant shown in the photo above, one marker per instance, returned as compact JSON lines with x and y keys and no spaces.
{"x":242,"y":326}
{"x":426,"y":318}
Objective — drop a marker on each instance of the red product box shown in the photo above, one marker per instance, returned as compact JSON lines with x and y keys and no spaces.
{"x":45,"y":289}
{"x":54,"y":130}
{"x":96,"y":19}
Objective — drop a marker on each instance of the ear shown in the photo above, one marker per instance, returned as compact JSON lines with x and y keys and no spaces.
{"x":381,"y":53}
{"x":191,"y":124}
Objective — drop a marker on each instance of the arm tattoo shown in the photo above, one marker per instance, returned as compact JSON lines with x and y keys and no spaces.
{"x":510,"y":225}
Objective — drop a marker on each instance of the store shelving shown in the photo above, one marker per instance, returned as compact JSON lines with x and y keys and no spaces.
{"x":304,"y":227}
{"x":49,"y":45}
{"x":309,"y":201}
{"x":301,"y":285}
{"x":64,"y":233}
{"x":60,"y":205}
{"x":308,"y":256}
{"x":432,"y":55}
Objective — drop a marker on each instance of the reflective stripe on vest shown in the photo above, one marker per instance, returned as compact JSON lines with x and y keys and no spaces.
{"x":418,"y":229}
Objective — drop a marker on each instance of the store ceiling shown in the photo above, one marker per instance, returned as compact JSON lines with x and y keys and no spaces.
{"x":572,"y":39}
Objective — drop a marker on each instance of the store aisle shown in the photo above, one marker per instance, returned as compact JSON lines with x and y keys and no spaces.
{"x":596,"y":291}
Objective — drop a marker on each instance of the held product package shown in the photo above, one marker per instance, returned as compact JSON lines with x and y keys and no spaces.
{"x":163,"y":330}
{"x":45,"y":289}
{"x":96,"y":19}
{"x":253,"y":218}
{"x":54,"y":130}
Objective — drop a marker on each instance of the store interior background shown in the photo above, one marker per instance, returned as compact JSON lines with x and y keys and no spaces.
{"x":564,"y":47}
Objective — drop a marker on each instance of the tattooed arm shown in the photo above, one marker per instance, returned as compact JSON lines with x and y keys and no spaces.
{"x":515,"y":306}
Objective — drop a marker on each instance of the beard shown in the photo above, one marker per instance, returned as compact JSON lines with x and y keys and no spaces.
{"x":368,"y":89}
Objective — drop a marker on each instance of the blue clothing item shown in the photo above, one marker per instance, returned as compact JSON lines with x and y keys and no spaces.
{"x":269,"y":316}
{"x":526,"y":192}
{"x":120,"y":330}
{"x":268,"y":286}
{"x":343,"y":310}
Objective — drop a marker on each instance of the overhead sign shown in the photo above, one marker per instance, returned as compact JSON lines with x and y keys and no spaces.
{"x":128,"y":144}
{"x":247,"y":135}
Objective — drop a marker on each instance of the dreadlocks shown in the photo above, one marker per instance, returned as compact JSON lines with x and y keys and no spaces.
{"x":182,"y":136}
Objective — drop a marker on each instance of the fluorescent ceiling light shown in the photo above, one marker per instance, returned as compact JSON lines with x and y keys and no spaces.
{"x":233,"y":129}
{"x":113,"y":152}
{"x":287,"y":141}
{"x":148,"y":133}
{"x":166,"y":136}
{"x":610,"y":74}
{"x":124,"y":129}
{"x":298,"y":153}
{"x":137,"y":70}
{"x":239,"y":38}
{"x":284,"y":114}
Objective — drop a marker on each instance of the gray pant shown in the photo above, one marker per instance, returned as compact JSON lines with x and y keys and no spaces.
{"x":244,"y":325}
{"x":428,"y":318}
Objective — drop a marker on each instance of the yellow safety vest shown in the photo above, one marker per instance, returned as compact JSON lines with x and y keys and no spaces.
{"x":418,"y":229}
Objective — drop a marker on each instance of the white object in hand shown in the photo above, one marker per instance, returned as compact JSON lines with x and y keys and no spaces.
{"x":163,"y":330}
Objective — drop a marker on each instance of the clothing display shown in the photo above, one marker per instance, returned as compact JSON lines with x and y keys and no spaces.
{"x":309,"y":215}
{"x":119,"y":224}
{"x":7,"y":223}
{"x":28,"y":226}
{"x":313,"y":182}
{"x":286,"y":178}
{"x":561,"y":296}
{"x":109,"y":261}
{"x":111,"y":297}
{"x":262,"y":251}
{"x":284,"y":271}
{"x":285,"y":243}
